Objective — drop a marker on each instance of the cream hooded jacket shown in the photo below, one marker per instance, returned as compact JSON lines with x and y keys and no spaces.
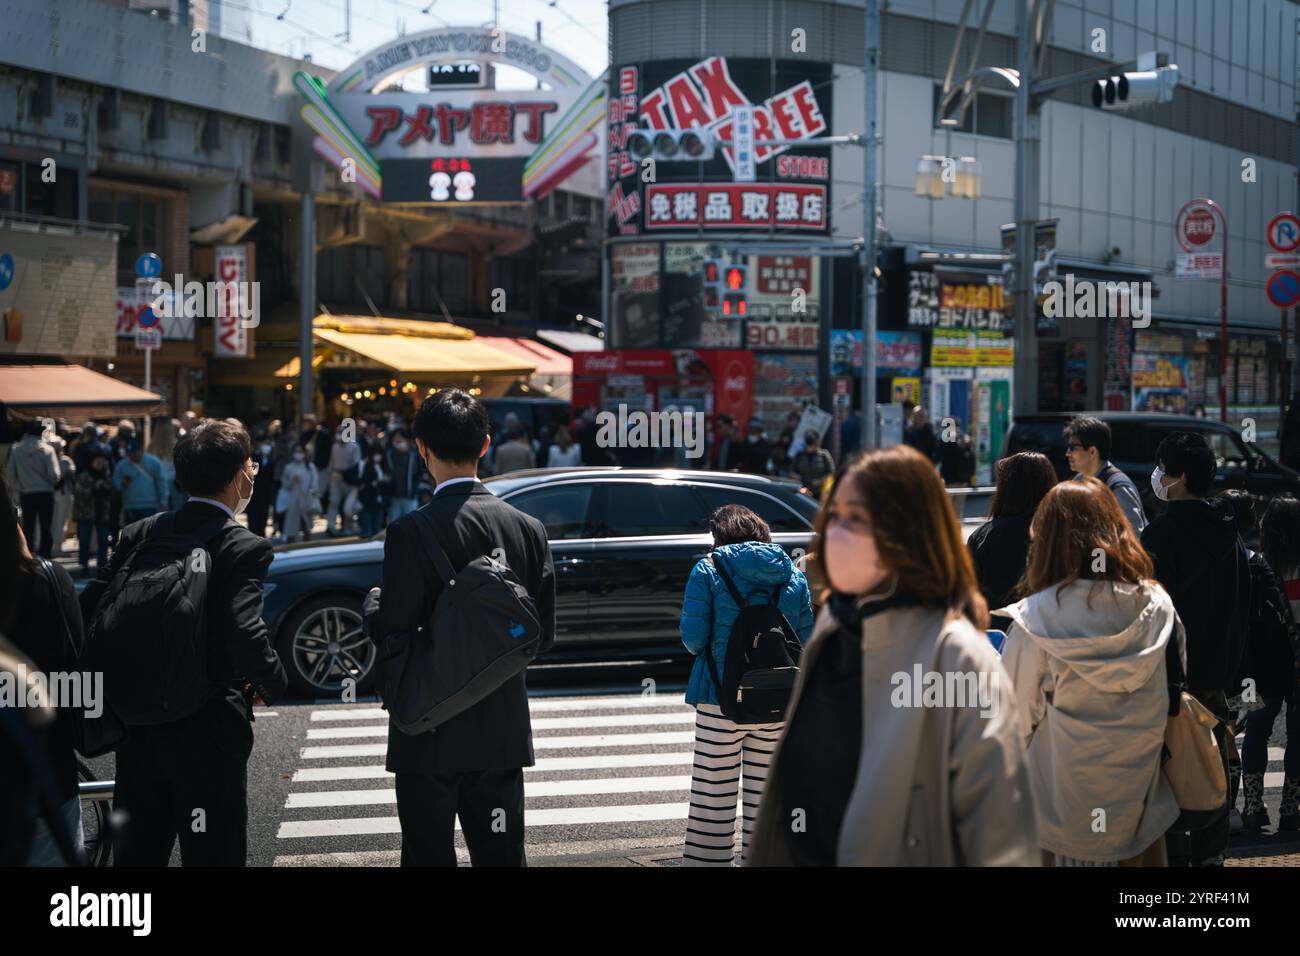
{"x":1088,"y":668}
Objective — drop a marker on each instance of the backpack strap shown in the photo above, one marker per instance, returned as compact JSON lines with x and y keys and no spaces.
{"x":727,"y":580}
{"x":441,"y":563}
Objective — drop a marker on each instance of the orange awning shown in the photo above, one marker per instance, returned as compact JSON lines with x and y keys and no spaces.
{"x":71,"y":391}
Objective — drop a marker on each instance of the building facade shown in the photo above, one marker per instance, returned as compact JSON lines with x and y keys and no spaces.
{"x":1112,"y":186}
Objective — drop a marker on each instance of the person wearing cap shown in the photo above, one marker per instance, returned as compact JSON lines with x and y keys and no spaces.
{"x":142,"y":482}
{"x":757,"y":452}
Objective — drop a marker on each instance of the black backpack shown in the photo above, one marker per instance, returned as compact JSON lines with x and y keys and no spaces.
{"x":484,"y":630}
{"x":761,"y":662}
{"x":148,"y":634}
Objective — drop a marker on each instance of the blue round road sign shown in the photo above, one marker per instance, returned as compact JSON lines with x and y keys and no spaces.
{"x":6,"y":271}
{"x":1284,"y":288}
{"x":148,"y":266}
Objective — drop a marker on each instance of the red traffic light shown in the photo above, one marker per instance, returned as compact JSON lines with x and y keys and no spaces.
{"x":710,"y":272}
{"x":710,"y":298}
{"x":735,"y":278}
{"x":734,"y":304}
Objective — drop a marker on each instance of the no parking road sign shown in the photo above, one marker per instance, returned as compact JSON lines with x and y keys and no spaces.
{"x":1283,"y":232}
{"x":1284,"y":288}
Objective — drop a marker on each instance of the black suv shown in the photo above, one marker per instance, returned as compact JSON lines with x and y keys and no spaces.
{"x":623,"y":540}
{"x":1135,"y":436}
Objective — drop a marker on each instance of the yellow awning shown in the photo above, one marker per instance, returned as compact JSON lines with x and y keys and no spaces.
{"x":427,"y":356}
{"x":406,"y":346}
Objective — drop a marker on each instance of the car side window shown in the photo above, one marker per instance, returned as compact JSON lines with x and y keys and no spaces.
{"x":1128,"y":443}
{"x":563,"y":509}
{"x":1228,"y":452}
{"x":777,"y":515}
{"x":636,"y":509}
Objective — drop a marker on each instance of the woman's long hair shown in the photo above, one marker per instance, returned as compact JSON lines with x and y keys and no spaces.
{"x":1279,"y":536}
{"x":1023,"y":480}
{"x":1078,"y":532}
{"x":12,"y":560}
{"x":916,"y":532}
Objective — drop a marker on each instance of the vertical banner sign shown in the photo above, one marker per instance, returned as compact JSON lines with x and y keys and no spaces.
{"x":229,"y":337}
{"x":742,"y":143}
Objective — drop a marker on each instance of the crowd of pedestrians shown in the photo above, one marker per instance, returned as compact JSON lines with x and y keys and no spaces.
{"x":1110,"y":625}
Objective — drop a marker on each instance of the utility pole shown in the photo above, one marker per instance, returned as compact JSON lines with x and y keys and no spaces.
{"x":1028,"y":139}
{"x":870,"y":72}
{"x":306,"y":303}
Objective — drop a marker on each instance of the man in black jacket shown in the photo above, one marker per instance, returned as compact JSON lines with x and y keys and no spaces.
{"x":472,"y":765}
{"x":188,"y":778}
{"x":1200,"y":560}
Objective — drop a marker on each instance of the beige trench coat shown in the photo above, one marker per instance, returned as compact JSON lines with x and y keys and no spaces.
{"x":937,"y":785}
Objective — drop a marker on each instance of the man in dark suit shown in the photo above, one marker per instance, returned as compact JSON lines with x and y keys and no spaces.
{"x":188,"y":778}
{"x":472,"y":765}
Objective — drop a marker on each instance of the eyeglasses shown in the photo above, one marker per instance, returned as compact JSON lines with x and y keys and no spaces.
{"x":1074,"y":446}
{"x":256,"y":467}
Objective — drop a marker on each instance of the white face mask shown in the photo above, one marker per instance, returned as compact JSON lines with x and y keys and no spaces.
{"x":299,"y":456}
{"x":242,"y":503}
{"x":850,"y":561}
{"x":1161,"y":491}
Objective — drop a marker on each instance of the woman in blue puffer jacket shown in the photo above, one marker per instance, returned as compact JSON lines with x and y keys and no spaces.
{"x":742,"y":541}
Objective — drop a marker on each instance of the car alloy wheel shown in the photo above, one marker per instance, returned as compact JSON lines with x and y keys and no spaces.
{"x":328,"y":646}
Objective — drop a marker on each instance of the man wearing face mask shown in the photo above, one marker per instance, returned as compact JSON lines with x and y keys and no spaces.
{"x":165,"y":771}
{"x":1200,"y":560}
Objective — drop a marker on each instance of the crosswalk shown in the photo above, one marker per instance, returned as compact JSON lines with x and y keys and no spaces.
{"x":612,"y":777}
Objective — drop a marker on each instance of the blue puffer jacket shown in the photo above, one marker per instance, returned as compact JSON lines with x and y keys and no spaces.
{"x":708,"y":612}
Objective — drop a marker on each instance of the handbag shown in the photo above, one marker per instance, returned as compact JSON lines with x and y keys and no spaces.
{"x":92,"y":736}
{"x":1192,"y":764}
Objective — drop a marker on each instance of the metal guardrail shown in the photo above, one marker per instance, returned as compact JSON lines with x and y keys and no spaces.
{"x":96,"y":790}
{"x":971,"y":503}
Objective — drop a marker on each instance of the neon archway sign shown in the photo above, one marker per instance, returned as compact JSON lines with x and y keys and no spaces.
{"x":535,"y":139}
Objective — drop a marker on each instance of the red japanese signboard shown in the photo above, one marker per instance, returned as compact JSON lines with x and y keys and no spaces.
{"x":736,"y":206}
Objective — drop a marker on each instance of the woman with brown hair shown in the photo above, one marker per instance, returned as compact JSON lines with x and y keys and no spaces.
{"x":938,"y":778}
{"x":1086,"y":654}
{"x":999,"y":548}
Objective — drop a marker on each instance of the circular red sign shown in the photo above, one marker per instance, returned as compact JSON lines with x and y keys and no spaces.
{"x":1198,"y":226}
{"x":735,"y":384}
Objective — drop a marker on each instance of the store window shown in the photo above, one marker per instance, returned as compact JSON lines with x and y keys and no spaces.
{"x":143,"y":217}
{"x":634,"y":285}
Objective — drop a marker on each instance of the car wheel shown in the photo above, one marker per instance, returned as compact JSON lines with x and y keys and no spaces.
{"x":323,"y":643}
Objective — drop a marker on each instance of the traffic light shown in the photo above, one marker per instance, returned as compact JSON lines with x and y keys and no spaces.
{"x":712,"y":276}
{"x":734,"y":302}
{"x":671,"y":145}
{"x":1130,"y":90}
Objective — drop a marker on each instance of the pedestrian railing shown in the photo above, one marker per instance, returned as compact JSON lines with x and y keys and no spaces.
{"x":96,"y":790}
{"x":971,"y":503}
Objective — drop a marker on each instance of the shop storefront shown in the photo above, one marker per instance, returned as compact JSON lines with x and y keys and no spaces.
{"x":710,"y":381}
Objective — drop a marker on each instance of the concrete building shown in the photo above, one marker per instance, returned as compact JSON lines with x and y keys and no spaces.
{"x":1112,"y":182}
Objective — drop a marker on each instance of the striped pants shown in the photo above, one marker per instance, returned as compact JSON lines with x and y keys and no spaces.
{"x":722,"y":749}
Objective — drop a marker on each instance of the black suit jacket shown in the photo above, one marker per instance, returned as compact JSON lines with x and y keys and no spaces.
{"x":496,"y":733}
{"x":239,"y":647}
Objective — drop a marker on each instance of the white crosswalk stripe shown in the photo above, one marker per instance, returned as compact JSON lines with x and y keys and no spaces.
{"x":612,"y":772}
{"x":612,"y":775}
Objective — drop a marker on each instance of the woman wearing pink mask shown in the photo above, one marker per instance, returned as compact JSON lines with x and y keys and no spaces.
{"x":900,"y":745}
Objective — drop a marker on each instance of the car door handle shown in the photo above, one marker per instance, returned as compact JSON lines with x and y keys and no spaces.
{"x":568,"y":564}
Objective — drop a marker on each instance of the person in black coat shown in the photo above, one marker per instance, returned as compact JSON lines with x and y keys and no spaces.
{"x":265,"y":485}
{"x":471,"y":766}
{"x":165,"y":771}
{"x":36,"y":596}
{"x":999,"y":548}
